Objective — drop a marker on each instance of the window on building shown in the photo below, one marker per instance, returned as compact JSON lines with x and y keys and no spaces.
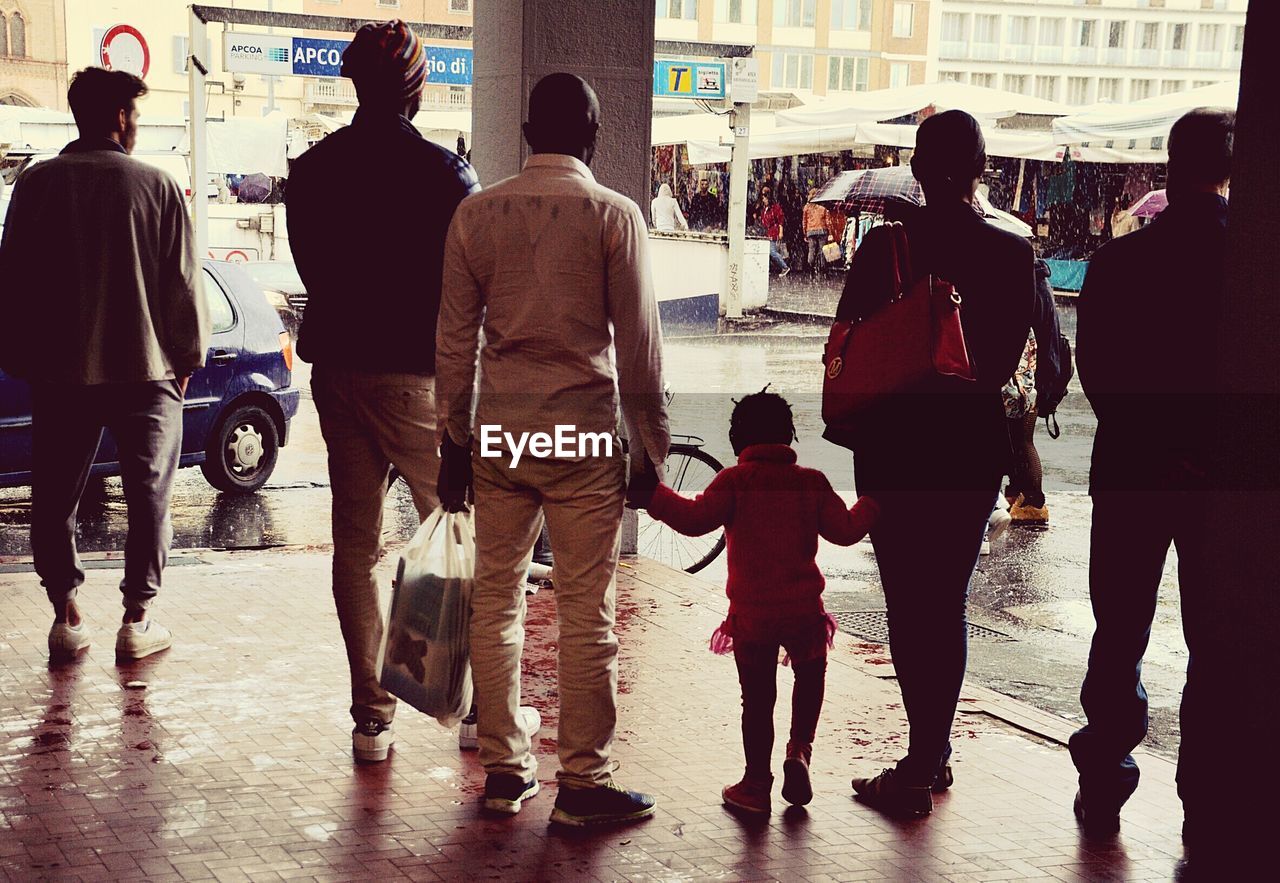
{"x":1200,"y":84}
{"x":904,"y":20}
{"x":1086,"y":32}
{"x":1109,"y":89}
{"x":18,"y":36}
{"x":1051,"y":31}
{"x":1178,"y":37}
{"x":1015,"y":83}
{"x":899,"y":74}
{"x":986,"y":80}
{"x":951,"y":77}
{"x":851,"y":15}
{"x":460,"y":5}
{"x":394,"y":4}
{"x":953,"y":26}
{"x":1210,"y":38}
{"x":795,"y":13}
{"x":1150,"y":35}
{"x":792,"y":70}
{"x":1139,"y":89}
{"x":1077,"y":90}
{"x":737,"y":11}
{"x":671,"y":8}
{"x":986,"y":28}
{"x":848,"y":74}
{"x":1237,"y":44}
{"x":1168,"y":87}
{"x":1047,"y":88}
{"x":1116,"y":35}
{"x":1020,"y":30}
{"x":4,"y":36}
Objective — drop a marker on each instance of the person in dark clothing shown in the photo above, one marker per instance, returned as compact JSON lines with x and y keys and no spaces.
{"x":933,"y":458}
{"x":371,"y":253}
{"x":704,"y":208}
{"x":1150,"y":487}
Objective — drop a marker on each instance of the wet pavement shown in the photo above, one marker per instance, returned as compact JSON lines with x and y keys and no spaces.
{"x":1033,"y":590}
{"x":228,"y":757}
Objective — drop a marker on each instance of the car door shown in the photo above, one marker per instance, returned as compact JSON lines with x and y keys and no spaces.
{"x":15,"y":430}
{"x":212,"y":384}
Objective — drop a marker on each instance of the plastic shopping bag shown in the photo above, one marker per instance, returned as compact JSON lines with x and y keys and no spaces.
{"x":425,"y":659}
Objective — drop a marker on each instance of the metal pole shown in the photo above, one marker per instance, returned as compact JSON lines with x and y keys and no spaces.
{"x":197,"y":69}
{"x":271,"y":80}
{"x":739,"y":170}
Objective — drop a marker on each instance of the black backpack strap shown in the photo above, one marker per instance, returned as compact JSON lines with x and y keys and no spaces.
{"x":1054,"y":430}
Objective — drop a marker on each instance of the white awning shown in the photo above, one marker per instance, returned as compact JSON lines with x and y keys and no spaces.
{"x":886,"y":104}
{"x":1127,"y":126}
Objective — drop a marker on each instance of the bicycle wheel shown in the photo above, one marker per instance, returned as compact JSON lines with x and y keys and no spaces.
{"x":689,"y":470}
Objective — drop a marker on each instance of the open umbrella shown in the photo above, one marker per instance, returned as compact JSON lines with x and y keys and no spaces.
{"x":1150,"y":205}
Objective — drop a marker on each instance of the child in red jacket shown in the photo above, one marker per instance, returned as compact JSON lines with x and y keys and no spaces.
{"x":773,"y":512}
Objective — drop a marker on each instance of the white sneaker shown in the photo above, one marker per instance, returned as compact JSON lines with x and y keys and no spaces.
{"x":986,"y":545}
{"x":469,"y":733}
{"x":998,"y":523}
{"x":371,"y":741}
{"x":136,"y":640}
{"x":68,"y":640}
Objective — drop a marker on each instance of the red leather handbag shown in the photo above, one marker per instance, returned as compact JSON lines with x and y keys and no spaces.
{"x":915,"y":337}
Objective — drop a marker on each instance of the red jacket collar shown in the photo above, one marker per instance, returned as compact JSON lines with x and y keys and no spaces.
{"x":767,"y":454}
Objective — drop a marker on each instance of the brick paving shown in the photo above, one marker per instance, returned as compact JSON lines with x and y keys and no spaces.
{"x":228,"y":757}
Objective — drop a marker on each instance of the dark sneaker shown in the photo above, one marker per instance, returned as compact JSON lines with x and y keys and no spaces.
{"x":1096,"y":821}
{"x":607,"y":804}
{"x":796,"y":787}
{"x":888,"y":794}
{"x":504,"y":792}
{"x":371,"y":740}
{"x":749,"y":795}
{"x":943,"y":780}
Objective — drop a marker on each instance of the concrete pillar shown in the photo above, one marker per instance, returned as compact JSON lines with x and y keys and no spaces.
{"x":610,"y":45}
{"x":1243,"y":613}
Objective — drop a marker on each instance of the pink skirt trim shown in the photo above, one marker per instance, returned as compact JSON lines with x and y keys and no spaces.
{"x":722,"y":637}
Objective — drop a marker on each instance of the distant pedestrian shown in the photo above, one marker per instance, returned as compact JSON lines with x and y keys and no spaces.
{"x":554,"y":268}
{"x":774,"y":224}
{"x":104,"y":315}
{"x":773,"y":512}
{"x":705,"y":210}
{"x":370,"y":254}
{"x":1163,"y":286}
{"x":936,"y":487}
{"x":666,"y":211}
{"x":817,"y":232}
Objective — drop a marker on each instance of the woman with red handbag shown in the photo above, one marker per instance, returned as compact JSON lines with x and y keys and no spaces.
{"x":933,"y":451}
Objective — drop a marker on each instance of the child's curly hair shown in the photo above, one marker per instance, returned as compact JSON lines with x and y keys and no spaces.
{"x":762,"y":418}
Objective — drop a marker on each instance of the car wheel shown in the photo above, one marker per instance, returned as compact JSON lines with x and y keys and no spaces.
{"x":242,"y":452}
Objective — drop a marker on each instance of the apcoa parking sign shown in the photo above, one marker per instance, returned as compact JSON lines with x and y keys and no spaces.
{"x":311,"y":57}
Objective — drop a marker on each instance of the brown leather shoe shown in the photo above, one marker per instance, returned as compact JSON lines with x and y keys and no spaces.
{"x":1022,"y":513}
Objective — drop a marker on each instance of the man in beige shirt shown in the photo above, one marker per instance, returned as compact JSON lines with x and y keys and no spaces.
{"x":104,"y":317}
{"x":555,"y":269}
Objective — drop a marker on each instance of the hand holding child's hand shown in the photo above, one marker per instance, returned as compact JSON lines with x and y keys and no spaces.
{"x":643,"y":482}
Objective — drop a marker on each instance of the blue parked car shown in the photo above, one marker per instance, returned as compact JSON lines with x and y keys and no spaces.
{"x":238,"y":406}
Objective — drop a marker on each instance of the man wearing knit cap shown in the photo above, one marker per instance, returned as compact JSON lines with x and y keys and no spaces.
{"x":370,"y":253}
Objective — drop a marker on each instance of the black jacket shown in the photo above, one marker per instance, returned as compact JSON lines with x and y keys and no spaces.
{"x":1145,"y":348}
{"x":952,"y":435}
{"x":369,"y":207}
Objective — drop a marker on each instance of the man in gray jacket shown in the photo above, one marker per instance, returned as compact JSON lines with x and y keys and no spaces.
{"x":104,"y":317}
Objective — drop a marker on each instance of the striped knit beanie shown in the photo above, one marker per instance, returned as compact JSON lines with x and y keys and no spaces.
{"x":387,"y":54}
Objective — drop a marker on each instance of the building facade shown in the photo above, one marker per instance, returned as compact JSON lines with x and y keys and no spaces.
{"x":163,"y":26}
{"x":1086,"y":51}
{"x":33,"y":53}
{"x":335,"y":95}
{"x":813,"y":47}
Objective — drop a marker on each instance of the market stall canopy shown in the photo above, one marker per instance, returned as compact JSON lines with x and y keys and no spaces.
{"x":1137,"y":124}
{"x":29,"y":130}
{"x":1015,"y":144}
{"x":243,"y":145}
{"x":879,"y":105}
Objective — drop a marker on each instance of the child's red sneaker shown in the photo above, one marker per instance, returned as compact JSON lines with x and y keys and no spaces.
{"x":749,"y":795}
{"x":796,"y":787}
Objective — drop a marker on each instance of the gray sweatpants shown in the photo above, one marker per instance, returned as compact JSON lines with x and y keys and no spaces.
{"x":67,"y":422}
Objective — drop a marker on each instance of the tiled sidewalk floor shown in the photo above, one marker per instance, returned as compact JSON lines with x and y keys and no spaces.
{"x":228,"y":757}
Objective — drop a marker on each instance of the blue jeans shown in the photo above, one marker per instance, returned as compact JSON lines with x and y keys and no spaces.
{"x":1126,"y":563}
{"x":926,"y":589}
{"x":776,"y":260}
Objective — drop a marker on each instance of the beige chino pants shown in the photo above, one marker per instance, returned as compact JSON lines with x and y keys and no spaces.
{"x":582,"y":502}
{"x":371,"y":422}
